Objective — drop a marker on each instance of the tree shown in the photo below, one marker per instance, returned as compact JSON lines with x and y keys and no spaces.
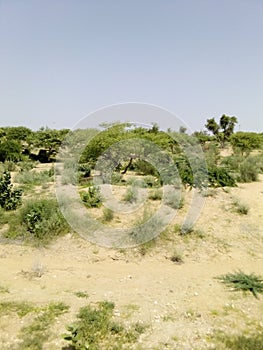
{"x":223,"y":130}
{"x":10,"y":150}
{"x":10,"y":198}
{"x":245,"y":142}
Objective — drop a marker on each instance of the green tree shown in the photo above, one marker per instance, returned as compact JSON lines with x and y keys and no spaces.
{"x":245,"y":142}
{"x":10,"y":150}
{"x":223,"y":130}
{"x":10,"y":198}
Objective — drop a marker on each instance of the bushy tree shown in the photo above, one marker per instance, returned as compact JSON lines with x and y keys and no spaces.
{"x":10,"y":150}
{"x":10,"y":198}
{"x":222,"y":130}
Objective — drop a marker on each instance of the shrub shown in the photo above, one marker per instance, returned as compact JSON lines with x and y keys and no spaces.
{"x":108,"y":214}
{"x":34,"y":178}
{"x":42,"y":218}
{"x":91,"y":198}
{"x":96,"y":330}
{"x":243,"y":282}
{"x":156,"y":195}
{"x":130,"y":195}
{"x":248,"y":170}
{"x":173,"y":199}
{"x":241,"y":208}
{"x":10,"y":198}
{"x":220,"y":177}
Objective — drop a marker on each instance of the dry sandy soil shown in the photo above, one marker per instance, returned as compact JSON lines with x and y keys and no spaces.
{"x":183,"y":304}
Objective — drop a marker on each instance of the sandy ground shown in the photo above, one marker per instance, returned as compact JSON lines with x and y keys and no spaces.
{"x":183,"y":304}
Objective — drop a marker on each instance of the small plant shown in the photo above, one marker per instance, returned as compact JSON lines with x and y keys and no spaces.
{"x":241,"y":208}
{"x":156,"y":194}
{"x":130,"y":195}
{"x":173,"y":199}
{"x":10,"y":198}
{"x":40,"y":219}
{"x":38,"y":332}
{"x":95,"y":329}
{"x":91,"y":198}
{"x":177,"y":257}
{"x":251,"y":341}
{"x":81,"y":294}
{"x":108,"y":214}
{"x":4,"y":289}
{"x":186,"y":228}
{"x":243,"y":282}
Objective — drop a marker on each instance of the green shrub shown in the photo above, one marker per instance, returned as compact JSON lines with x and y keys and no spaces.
{"x":252,"y":341}
{"x":10,"y":198}
{"x":156,"y":194}
{"x":151,"y":181}
{"x":41,"y":219}
{"x":95,"y":329}
{"x":108,"y":215}
{"x":248,"y":170}
{"x":131,"y":195}
{"x":174,"y":199}
{"x":243,"y":282}
{"x":116,"y":178}
{"x":91,"y":198}
{"x":241,"y":208}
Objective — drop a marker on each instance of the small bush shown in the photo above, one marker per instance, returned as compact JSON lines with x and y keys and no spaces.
{"x":91,"y":198}
{"x":248,"y":170}
{"x":151,"y":181}
{"x":40,"y":219}
{"x":240,"y":281}
{"x":10,"y":198}
{"x":173,"y":199}
{"x":108,"y":214}
{"x":116,"y":178}
{"x":34,"y":178}
{"x":241,"y":208}
{"x":130,"y":195}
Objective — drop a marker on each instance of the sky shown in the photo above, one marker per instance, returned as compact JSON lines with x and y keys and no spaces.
{"x":61,"y":60}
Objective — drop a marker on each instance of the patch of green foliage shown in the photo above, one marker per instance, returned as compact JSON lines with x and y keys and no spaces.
{"x":220,"y":177}
{"x":95,"y":329}
{"x":240,"y":281}
{"x":252,"y":341}
{"x":131,"y":195}
{"x":38,"y":219}
{"x":91,"y":197}
{"x":20,"y":308}
{"x":38,"y":332}
{"x":10,"y":198}
{"x":108,"y":215}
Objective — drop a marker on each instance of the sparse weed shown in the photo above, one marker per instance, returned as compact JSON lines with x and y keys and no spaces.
{"x":240,"y":208}
{"x":91,"y":197}
{"x":81,"y":294}
{"x":131,"y":195}
{"x":240,"y":281}
{"x":39,"y":219}
{"x":156,"y":194}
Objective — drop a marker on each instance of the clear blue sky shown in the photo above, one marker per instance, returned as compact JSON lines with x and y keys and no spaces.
{"x":62,"y":59}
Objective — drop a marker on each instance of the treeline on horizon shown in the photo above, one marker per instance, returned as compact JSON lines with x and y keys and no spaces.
{"x":20,"y":144}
